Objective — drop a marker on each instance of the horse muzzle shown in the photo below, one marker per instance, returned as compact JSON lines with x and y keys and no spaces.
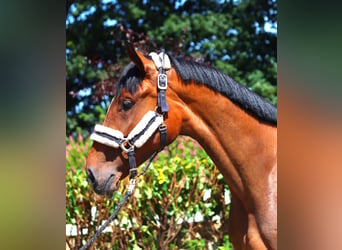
{"x":104,"y":182}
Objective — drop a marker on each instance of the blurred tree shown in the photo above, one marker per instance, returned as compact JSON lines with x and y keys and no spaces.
{"x":229,"y":35}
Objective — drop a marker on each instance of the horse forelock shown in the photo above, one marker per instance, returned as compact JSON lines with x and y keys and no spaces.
{"x":129,"y":80}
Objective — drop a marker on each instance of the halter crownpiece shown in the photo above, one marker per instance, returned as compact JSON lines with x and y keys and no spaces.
{"x":162,"y":63}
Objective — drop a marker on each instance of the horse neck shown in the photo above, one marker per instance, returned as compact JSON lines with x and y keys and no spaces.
{"x":241,"y":146}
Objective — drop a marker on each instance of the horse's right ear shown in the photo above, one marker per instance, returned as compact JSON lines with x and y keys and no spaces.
{"x":138,"y":58}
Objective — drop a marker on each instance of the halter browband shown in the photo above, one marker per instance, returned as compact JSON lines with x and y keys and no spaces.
{"x":148,"y":124}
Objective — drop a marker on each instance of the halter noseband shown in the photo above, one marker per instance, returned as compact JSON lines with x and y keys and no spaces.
{"x":148,"y":124}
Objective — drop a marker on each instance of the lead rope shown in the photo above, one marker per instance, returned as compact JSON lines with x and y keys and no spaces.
{"x":128,"y":193}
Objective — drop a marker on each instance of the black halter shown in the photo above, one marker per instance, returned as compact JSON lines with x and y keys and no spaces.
{"x":163,"y":109}
{"x":148,"y":124}
{"x":162,"y":63}
{"x":116,"y":139}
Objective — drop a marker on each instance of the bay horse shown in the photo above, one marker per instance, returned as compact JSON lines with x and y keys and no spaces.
{"x":236,"y":127}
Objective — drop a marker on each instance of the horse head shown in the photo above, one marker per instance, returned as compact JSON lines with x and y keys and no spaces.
{"x":133,"y":120}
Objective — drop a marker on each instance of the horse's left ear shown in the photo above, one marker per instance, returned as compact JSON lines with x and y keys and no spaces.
{"x":138,"y":57}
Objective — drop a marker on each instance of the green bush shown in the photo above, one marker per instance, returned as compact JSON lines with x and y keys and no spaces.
{"x":178,"y":204}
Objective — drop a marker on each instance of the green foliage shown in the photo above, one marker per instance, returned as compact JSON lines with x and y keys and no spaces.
{"x":259,"y":85}
{"x":85,"y":120}
{"x":227,"y":245}
{"x":77,"y":189}
{"x":170,"y":209}
{"x":229,"y":35}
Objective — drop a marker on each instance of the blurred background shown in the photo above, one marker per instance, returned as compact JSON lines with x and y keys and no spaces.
{"x":34,"y":97}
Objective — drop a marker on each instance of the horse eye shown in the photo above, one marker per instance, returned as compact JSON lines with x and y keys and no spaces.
{"x":127,"y":104}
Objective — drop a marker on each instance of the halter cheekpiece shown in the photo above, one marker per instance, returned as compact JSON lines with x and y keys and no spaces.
{"x":146,"y":127}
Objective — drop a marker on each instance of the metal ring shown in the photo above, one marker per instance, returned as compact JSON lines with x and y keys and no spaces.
{"x":124,"y":144}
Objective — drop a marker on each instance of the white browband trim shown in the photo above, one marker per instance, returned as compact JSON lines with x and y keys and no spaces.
{"x":161,"y":60}
{"x":156,"y":59}
{"x":142,"y":125}
{"x":136,"y":130}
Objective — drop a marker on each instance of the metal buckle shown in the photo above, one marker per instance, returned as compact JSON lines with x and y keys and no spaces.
{"x":131,"y":187}
{"x":162,"y":81}
{"x":162,"y":127}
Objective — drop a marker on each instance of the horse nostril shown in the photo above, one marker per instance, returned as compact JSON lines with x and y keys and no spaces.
{"x":91,"y":176}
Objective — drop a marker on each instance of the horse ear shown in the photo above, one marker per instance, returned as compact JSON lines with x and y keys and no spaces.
{"x":137,"y":57}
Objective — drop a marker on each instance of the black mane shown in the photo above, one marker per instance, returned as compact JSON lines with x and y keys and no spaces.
{"x":217,"y":81}
{"x":213,"y":79}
